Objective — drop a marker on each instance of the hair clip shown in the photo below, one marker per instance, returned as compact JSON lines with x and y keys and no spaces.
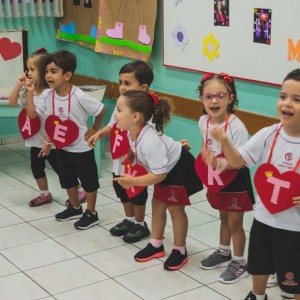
{"x":154,"y":97}
{"x":227,"y":77}
{"x":206,"y":76}
{"x":41,"y":50}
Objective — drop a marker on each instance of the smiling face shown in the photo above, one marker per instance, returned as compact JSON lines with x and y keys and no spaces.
{"x":127,"y":81}
{"x":288,"y":107}
{"x":57,"y":80}
{"x":216,"y":106}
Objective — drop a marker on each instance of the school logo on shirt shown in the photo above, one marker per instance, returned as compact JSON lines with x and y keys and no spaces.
{"x":276,"y":190}
{"x":28,"y":127}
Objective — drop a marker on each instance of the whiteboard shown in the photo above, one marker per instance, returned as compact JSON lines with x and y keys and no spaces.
{"x":238,"y":54}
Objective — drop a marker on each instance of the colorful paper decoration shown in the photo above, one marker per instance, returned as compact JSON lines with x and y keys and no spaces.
{"x":28,"y":127}
{"x":119,"y":144}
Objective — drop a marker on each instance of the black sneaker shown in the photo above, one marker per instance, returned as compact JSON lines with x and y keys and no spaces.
{"x":87,"y":220}
{"x":149,"y":252}
{"x":136,"y":233}
{"x":121,"y":228}
{"x":176,"y":260}
{"x":251,"y":296}
{"x":69,"y":214}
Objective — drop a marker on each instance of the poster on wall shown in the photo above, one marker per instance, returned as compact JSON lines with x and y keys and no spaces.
{"x":13,"y":56}
{"x":126,"y":28}
{"x":79,"y":23}
{"x":221,"y":13}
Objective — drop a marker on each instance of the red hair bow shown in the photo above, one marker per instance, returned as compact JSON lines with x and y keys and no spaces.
{"x":227,"y":77}
{"x":154,"y":97}
{"x":41,"y":50}
{"x":206,"y":76}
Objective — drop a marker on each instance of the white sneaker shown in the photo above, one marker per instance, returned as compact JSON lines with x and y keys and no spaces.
{"x":272,"y":281}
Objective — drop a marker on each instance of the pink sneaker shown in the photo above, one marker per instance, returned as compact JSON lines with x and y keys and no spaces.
{"x":41,"y":200}
{"x":81,"y":196}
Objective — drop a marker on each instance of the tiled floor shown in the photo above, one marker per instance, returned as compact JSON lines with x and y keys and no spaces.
{"x":41,"y":258}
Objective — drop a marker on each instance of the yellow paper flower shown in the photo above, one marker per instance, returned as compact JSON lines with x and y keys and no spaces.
{"x":210,"y":47}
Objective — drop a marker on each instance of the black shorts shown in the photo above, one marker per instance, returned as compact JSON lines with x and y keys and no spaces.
{"x":81,"y":165}
{"x":273,"y":250}
{"x":38,"y":164}
{"x":138,"y":200}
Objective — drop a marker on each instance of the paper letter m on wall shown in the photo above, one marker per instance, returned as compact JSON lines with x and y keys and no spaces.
{"x":293,"y":52}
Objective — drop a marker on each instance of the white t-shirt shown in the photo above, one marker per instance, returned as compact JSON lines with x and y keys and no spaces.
{"x":236,"y":132}
{"x":81,"y":106}
{"x":157,"y":152}
{"x":285,"y":157}
{"x":38,"y":139}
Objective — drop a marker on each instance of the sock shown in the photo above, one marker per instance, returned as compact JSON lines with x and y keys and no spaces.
{"x":45,"y":192}
{"x":156,"y":243}
{"x":180,"y":248}
{"x":140,"y":223}
{"x":259,"y":297}
{"x":132,"y":219}
{"x":224,"y":249}
{"x":240,"y":259}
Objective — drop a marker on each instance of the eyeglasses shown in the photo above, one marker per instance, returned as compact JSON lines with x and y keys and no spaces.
{"x":209,"y":97}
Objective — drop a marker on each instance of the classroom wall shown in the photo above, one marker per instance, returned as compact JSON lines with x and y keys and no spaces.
{"x":253,"y":97}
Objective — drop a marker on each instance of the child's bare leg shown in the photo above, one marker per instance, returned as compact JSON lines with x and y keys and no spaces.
{"x":73,"y":196}
{"x":225,"y":234}
{"x":259,"y":284}
{"x":42,"y":183}
{"x":91,"y":198}
{"x":159,"y":219}
{"x":139,"y":213}
{"x":235,"y":224}
{"x":180,"y":224}
{"x":128,"y":209}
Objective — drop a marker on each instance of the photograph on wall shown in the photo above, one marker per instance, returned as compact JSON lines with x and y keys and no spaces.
{"x":262,"y":26}
{"x":126,"y":28}
{"x":79,"y":23}
{"x":221,"y":13}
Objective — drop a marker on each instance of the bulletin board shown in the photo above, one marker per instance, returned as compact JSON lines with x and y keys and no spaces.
{"x":193,"y":41}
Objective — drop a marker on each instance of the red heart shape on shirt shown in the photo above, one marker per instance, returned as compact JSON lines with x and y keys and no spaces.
{"x":61,"y":133}
{"x":276,"y":190}
{"x":135,"y":171}
{"x":119,"y":144}
{"x":213,"y":179}
{"x":28,"y":127}
{"x":9,"y":50}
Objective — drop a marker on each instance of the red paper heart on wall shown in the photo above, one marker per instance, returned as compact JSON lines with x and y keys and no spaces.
{"x":212,"y":179}
{"x":61,"y":133}
{"x":9,"y":50}
{"x":28,"y":127}
{"x":276,"y":190}
{"x":135,"y":171}
{"x":119,"y":145}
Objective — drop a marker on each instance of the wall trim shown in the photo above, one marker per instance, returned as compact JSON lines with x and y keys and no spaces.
{"x":183,"y":107}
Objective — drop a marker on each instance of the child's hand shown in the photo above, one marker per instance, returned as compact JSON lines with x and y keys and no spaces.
{"x":29,"y":85}
{"x":21,"y":80}
{"x":93,"y":139}
{"x":46,"y":149}
{"x":208,"y":157}
{"x":89,"y":133}
{"x":125,"y":180}
{"x":185,"y":144}
{"x":296,"y":201}
{"x":218,"y":134}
